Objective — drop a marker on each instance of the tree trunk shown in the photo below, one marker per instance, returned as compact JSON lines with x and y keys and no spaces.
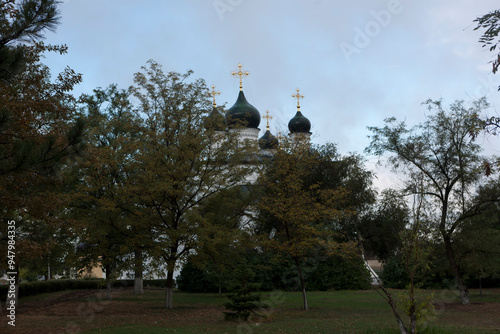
{"x":450,"y":254}
{"x":138,"y":282}
{"x":49,"y":270}
{"x":109,"y":283}
{"x":302,"y":283}
{"x":220,"y":283}
{"x":391,"y":302}
{"x":170,"y":287}
{"x":480,"y":286}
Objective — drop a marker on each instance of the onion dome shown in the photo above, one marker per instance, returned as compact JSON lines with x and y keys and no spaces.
{"x":243,"y":113}
{"x":299,"y":124}
{"x":268,"y":141}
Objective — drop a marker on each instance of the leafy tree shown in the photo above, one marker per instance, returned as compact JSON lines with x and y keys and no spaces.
{"x":478,"y":241}
{"x":102,"y":199}
{"x":180,"y":162}
{"x":337,"y":272}
{"x":336,"y":171}
{"x":490,"y":124}
{"x":226,"y":241}
{"x":490,"y":22}
{"x":296,"y":214}
{"x":441,"y":150}
{"x":380,"y":228}
{"x":414,"y":254}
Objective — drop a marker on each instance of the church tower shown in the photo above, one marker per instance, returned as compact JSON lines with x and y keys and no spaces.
{"x":243,"y":117}
{"x":268,"y":143}
{"x":299,"y":125}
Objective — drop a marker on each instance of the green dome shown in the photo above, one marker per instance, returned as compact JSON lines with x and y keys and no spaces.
{"x":299,"y":124}
{"x":243,"y":113}
{"x":268,"y":141}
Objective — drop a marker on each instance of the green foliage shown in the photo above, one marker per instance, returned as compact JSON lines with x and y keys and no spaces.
{"x":440,"y":160}
{"x":40,"y":133}
{"x":423,"y":307}
{"x":478,"y":241}
{"x":244,"y":301}
{"x":490,"y":39}
{"x":298,"y":212}
{"x":193,"y":279}
{"x":24,"y":21}
{"x":103,"y":207}
{"x":381,"y":228}
{"x":180,"y":163}
{"x":394,"y":275}
{"x":339,"y":273}
{"x":225,"y":241}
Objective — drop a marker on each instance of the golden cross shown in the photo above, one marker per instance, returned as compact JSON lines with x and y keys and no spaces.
{"x":240,"y":73}
{"x":298,"y":97}
{"x":214,"y":93}
{"x":268,"y":118}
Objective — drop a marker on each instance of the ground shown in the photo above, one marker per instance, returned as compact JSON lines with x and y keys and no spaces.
{"x":331,"y":312}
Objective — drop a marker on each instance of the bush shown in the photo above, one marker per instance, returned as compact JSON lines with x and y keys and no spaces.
{"x":37,"y":287}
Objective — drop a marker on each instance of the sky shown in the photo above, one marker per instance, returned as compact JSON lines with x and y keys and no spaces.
{"x":355,"y":62}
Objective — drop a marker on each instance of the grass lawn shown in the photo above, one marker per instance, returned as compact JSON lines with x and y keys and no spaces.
{"x":330,"y":312}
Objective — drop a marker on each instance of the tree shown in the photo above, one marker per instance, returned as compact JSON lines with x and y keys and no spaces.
{"x":414,"y":250}
{"x":336,"y":171}
{"x":490,"y":22}
{"x":441,"y":150}
{"x":479,"y":239}
{"x":39,"y":126}
{"x":244,"y":301}
{"x":296,"y":214}
{"x":490,"y":124}
{"x":181,"y":162}
{"x":381,"y":227}
{"x":22,"y":22}
{"x":225,"y":241}
{"x":102,"y":200}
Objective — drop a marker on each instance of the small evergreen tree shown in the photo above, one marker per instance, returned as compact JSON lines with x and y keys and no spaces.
{"x":243,"y":300}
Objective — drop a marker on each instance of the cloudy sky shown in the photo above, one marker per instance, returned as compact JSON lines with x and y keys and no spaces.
{"x":356,"y":62}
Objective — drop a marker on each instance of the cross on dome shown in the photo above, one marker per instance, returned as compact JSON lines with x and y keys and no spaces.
{"x":268,"y":118}
{"x":214,"y":93}
{"x":240,"y":73}
{"x":298,"y":97}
